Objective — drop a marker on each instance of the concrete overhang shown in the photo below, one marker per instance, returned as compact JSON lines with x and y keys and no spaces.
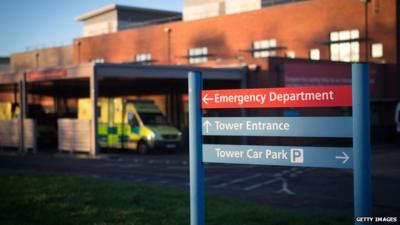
{"x":106,"y":70}
{"x":168,"y":72}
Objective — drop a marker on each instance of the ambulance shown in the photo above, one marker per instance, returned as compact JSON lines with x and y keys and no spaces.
{"x":137,"y":125}
{"x":7,"y":111}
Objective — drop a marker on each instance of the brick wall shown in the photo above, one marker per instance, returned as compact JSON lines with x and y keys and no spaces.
{"x":297,"y":27}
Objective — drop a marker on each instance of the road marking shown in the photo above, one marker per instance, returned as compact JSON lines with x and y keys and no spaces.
{"x":164,"y":181}
{"x":177,"y":167}
{"x":129,"y":166}
{"x":284,"y":188}
{"x":255,"y":186}
{"x":104,"y":165}
{"x":239,"y":180}
{"x":140,"y":179}
{"x":214,"y":177}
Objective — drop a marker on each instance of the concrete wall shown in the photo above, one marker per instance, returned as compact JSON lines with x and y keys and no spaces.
{"x":4,"y":67}
{"x":194,"y":10}
{"x":101,"y":24}
{"x":237,"y":6}
{"x":200,"y":9}
{"x":297,"y":27}
{"x":41,"y":59}
{"x":4,"y":64}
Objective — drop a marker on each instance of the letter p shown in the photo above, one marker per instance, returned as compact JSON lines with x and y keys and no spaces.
{"x":296,"y":155}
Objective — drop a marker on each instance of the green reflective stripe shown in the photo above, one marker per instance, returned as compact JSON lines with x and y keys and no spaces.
{"x":103,"y":129}
{"x":116,"y":129}
{"x":113,"y":139}
{"x":135,"y":130}
{"x":112,"y":130}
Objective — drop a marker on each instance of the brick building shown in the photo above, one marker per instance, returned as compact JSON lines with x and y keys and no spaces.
{"x":275,"y":43}
{"x":315,"y":29}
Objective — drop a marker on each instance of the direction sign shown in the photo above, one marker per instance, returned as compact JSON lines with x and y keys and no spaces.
{"x":327,"y":157}
{"x":299,"y":156}
{"x":324,"y":96}
{"x":279,"y":126}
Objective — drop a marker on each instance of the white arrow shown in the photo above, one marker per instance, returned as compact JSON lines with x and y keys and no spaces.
{"x":207,"y":124}
{"x":345,"y":157}
{"x":206,"y":99}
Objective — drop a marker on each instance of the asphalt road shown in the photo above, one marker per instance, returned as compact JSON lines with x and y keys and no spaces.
{"x":305,"y":189}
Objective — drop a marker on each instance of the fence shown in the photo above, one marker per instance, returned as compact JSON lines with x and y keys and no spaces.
{"x":74,"y":135}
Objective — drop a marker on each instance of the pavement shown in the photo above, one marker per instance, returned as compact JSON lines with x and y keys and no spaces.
{"x":302,"y":189}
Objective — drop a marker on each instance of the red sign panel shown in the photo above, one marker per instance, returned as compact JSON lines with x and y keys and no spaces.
{"x":323,"y":96}
{"x":47,"y":74}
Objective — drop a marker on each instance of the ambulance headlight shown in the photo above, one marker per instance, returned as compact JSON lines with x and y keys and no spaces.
{"x":151,"y":136}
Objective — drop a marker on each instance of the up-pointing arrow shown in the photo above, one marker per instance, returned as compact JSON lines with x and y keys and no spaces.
{"x":344,"y":157}
{"x":206,"y":99}
{"x":207,"y":124}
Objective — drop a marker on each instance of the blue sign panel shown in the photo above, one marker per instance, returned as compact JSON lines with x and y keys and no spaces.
{"x":327,"y":157}
{"x":279,"y":126}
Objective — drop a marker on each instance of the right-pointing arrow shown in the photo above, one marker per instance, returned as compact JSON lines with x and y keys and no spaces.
{"x":345,"y":157}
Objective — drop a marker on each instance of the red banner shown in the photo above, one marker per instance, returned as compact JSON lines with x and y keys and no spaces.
{"x":322,"y":96}
{"x":47,"y":74}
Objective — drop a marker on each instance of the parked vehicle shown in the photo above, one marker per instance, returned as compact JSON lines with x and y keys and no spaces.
{"x":131,"y":124}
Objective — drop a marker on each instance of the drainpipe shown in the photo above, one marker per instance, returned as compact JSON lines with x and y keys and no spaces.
{"x":167,"y":31}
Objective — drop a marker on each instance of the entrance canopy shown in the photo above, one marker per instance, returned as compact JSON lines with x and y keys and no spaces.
{"x":106,"y":70}
{"x":116,"y":80}
{"x":120,"y":79}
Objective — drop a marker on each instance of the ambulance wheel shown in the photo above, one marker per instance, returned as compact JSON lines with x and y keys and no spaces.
{"x":143,"y":148}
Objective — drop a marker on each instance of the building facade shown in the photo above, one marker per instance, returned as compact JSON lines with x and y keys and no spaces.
{"x":317,"y":29}
{"x":273,"y":42}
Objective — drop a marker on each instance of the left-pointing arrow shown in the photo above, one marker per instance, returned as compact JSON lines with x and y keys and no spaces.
{"x":344,"y":157}
{"x":207,"y":124}
{"x":206,"y":99}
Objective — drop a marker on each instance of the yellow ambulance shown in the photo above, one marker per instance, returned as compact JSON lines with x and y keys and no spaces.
{"x":8,"y":111}
{"x":131,"y":124}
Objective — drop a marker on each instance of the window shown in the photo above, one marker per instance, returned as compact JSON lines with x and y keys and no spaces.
{"x":315,"y":54}
{"x":264,"y":48}
{"x":377,"y":50}
{"x":132,"y":121}
{"x":98,"y":60}
{"x":345,"y":45}
{"x":143,"y":58}
{"x":291,"y":54}
{"x":198,"y":55}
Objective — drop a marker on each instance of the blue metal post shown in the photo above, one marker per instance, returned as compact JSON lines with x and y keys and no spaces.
{"x":195,"y":150}
{"x":361,"y":141}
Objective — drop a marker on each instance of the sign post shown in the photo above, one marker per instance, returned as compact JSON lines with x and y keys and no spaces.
{"x":195,"y":150}
{"x":361,"y":141}
{"x":357,"y":127}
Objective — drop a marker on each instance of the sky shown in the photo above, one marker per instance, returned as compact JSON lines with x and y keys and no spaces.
{"x":32,"y":24}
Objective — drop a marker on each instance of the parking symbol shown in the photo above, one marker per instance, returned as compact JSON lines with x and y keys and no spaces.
{"x":296,"y":155}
